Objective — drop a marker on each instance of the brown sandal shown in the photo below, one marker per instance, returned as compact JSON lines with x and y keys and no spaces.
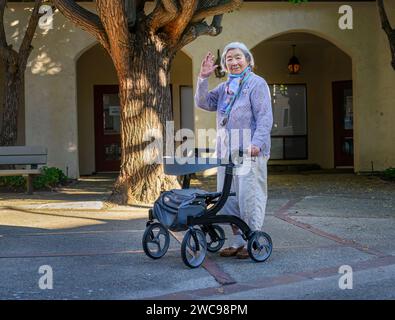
{"x":242,"y":254}
{"x":230,"y":252}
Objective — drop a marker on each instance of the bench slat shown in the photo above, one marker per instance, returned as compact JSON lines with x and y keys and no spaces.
{"x":23,"y":155}
{"x":23,"y":150}
{"x":16,"y":172}
{"x":23,"y":159}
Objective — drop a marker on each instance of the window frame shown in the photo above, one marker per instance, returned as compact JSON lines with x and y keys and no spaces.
{"x":284,"y":137}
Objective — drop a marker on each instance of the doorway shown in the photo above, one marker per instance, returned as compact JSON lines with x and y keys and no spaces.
{"x":343,"y":123}
{"x":107,"y":128}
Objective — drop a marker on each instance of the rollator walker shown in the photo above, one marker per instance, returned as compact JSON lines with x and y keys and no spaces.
{"x":195,"y":211}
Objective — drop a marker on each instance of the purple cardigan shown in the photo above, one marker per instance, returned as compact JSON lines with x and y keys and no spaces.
{"x":251,"y":110}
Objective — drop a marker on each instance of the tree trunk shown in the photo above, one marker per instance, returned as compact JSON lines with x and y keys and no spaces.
{"x":13,"y":85}
{"x":392,"y":46}
{"x":145,"y":105}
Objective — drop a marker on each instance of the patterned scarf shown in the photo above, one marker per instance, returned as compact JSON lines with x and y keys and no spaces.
{"x":232,"y":89}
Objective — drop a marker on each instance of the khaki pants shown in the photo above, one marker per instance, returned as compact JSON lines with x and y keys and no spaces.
{"x":250,"y":185}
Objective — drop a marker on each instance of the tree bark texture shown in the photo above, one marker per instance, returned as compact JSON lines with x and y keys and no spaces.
{"x":13,"y":90}
{"x":146,"y":106}
{"x":389,"y":31}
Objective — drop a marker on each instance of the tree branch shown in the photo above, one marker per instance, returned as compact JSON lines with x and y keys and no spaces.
{"x":114,"y":19}
{"x":130,"y":9}
{"x":3,"y":53}
{"x":176,"y":27}
{"x":133,"y":9}
{"x":216,"y":23}
{"x":198,"y":29}
{"x":385,"y":24}
{"x":164,"y":12}
{"x":115,"y":22}
{"x":223,"y":7}
{"x":26,"y":48}
{"x":86,"y":19}
{"x":3,"y":38}
{"x":10,"y":58}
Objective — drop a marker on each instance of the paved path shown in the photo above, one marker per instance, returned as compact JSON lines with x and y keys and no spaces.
{"x":319,"y":223}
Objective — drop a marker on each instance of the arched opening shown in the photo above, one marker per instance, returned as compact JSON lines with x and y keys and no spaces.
{"x":313,"y":114}
{"x":97,"y":100}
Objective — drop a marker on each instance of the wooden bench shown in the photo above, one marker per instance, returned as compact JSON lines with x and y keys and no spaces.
{"x":30,"y":157}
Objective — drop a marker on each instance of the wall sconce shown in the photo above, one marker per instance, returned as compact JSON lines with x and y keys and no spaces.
{"x":218,"y":72}
{"x":293,"y":64}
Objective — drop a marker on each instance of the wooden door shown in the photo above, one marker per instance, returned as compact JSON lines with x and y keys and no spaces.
{"x":107,"y":128}
{"x":343,"y":123}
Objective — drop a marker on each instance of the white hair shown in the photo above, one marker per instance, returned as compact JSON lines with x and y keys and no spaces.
{"x":237,"y":45}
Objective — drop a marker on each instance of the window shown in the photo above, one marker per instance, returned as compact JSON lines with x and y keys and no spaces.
{"x":289,"y":132}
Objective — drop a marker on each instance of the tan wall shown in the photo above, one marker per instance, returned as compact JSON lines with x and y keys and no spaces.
{"x":51,"y":77}
{"x":366,"y":44}
{"x":181,"y":75}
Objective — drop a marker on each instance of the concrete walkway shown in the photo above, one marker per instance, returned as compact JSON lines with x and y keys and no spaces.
{"x":319,"y":223}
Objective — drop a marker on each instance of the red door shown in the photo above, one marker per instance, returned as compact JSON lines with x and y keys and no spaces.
{"x":343,"y":123}
{"x":107,"y":128}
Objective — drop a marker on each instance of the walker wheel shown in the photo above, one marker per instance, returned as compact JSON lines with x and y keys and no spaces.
{"x":194,"y":248}
{"x":214,"y":244}
{"x":260,"y":246}
{"x":156,"y":240}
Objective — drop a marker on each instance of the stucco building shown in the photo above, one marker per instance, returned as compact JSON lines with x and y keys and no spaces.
{"x":338,"y":111}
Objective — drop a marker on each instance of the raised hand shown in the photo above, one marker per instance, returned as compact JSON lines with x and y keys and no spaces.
{"x":207,"y":67}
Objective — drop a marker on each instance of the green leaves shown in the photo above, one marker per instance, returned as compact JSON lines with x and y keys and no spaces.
{"x":49,"y":179}
{"x":389,"y":174}
{"x":12,"y":183}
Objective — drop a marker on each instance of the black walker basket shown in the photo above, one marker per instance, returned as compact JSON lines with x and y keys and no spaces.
{"x":173,"y":207}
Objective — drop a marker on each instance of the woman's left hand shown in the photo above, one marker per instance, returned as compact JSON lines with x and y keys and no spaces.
{"x":254,"y":151}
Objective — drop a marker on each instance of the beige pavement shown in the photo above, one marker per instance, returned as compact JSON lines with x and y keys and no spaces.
{"x":318,"y":222}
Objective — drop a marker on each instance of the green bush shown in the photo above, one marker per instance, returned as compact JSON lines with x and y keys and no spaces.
{"x":389,"y":174}
{"x":48,"y":179}
{"x":14,"y":183}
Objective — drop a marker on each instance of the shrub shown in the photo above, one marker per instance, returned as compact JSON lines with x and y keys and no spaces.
{"x":389,"y":174}
{"x":48,"y":179}
{"x":14,"y":183}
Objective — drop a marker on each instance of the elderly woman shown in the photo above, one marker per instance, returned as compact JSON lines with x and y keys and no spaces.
{"x":242,"y":105}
